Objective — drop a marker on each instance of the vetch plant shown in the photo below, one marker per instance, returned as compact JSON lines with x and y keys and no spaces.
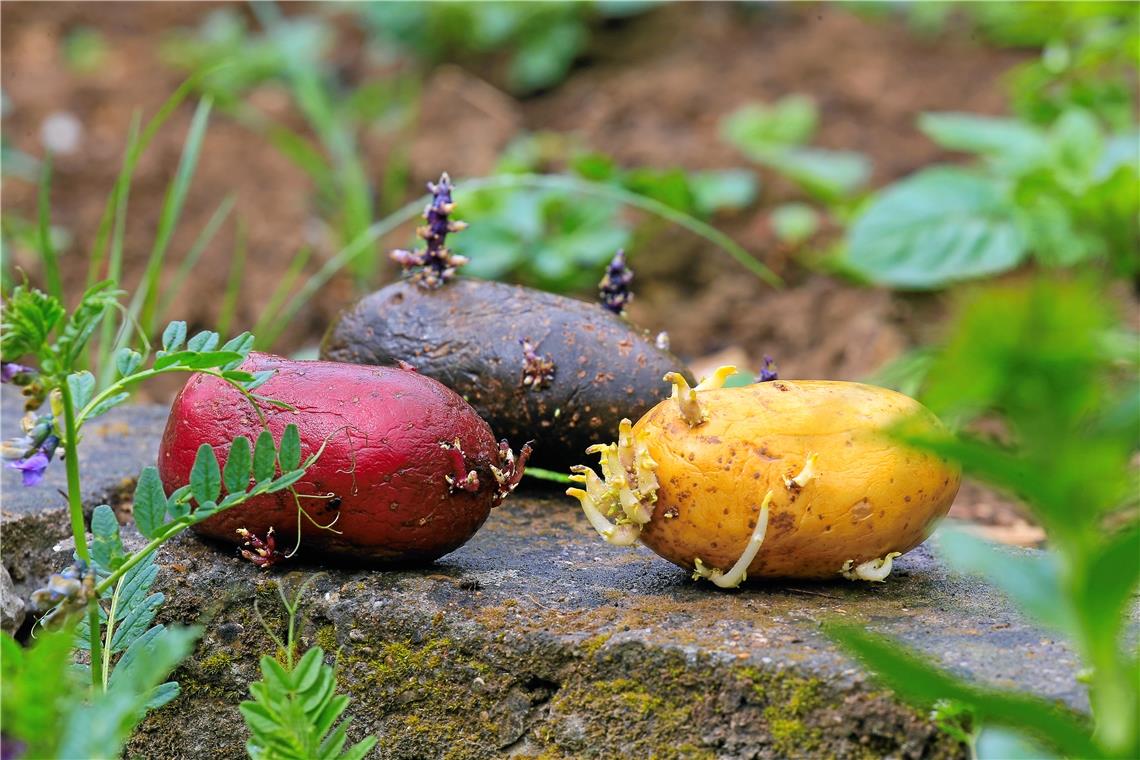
{"x":1048,"y":363}
{"x":295,"y":706}
{"x":108,"y":584}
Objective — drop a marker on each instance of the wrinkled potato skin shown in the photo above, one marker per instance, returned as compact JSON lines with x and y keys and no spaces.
{"x":869,"y":496}
{"x":466,"y":335}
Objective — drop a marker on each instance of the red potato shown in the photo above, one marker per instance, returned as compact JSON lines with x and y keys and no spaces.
{"x":408,"y":472}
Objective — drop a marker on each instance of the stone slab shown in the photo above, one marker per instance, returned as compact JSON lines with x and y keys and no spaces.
{"x":115,"y":447}
{"x":536,"y":639}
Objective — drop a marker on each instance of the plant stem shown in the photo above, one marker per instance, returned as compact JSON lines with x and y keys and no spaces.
{"x":126,"y":382}
{"x":78,"y":529}
{"x":174,"y":529}
{"x":111,"y":631}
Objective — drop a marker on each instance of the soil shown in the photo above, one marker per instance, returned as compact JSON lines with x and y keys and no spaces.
{"x":650,"y":91}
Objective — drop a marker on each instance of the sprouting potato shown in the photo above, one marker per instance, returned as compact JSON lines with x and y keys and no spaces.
{"x":784,"y":479}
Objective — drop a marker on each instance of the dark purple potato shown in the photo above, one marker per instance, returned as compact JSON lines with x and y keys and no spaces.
{"x":536,"y":366}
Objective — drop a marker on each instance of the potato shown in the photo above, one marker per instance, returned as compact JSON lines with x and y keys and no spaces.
{"x":586,"y":367}
{"x":408,"y":471}
{"x":783,"y":479}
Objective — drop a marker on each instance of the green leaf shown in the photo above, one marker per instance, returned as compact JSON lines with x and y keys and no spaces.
{"x":106,"y":546}
{"x":1077,"y":146}
{"x":241,"y":344}
{"x":827,"y":174}
{"x":82,"y":386}
{"x":1111,"y":581}
{"x":162,"y":694}
{"x":264,"y":457}
{"x":289,"y":455}
{"x":259,"y":379}
{"x":238,"y":463}
{"x":308,"y":669}
{"x":794,"y":223}
{"x":40,"y":689}
{"x":205,"y":477}
{"x":206,"y":340}
{"x":150,"y":503}
{"x":173,"y":336}
{"x":135,"y":621}
{"x":146,"y":296}
{"x":756,"y":129}
{"x":127,"y":361}
{"x":29,"y":317}
{"x":1030,"y":580}
{"x":1010,"y":145}
{"x":917,"y":681}
{"x":935,"y":228}
{"x":107,"y":404}
{"x":285,"y":481}
{"x":194,"y":360}
{"x":100,"y":728}
{"x":732,"y":189}
{"x":93,"y":306}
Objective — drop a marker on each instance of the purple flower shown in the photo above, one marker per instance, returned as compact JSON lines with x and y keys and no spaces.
{"x":435,"y":264}
{"x":614,"y":288}
{"x":768,"y":371}
{"x":34,"y":464}
{"x":10,"y":371}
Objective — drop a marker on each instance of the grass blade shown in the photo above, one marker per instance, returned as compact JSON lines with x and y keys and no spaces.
{"x":205,"y":237}
{"x":136,"y":145}
{"x":265,"y":335}
{"x":52,"y":279}
{"x":233,"y":284}
{"x":146,"y":296}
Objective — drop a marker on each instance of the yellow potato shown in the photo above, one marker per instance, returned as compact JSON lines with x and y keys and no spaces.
{"x":790,"y":479}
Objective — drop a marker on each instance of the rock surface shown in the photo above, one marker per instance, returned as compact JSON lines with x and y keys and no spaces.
{"x":538,"y":640}
{"x":11,"y":605}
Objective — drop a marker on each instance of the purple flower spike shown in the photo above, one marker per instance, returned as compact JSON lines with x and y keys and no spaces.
{"x":768,"y":371}
{"x":614,"y":290}
{"x":435,"y":264}
{"x":33,"y":465}
{"x":10,"y":371}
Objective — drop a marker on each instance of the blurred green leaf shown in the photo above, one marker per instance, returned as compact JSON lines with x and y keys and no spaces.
{"x":726,"y":189}
{"x":1030,"y":579}
{"x":795,"y":223}
{"x":1009,"y":144}
{"x":913,"y":678}
{"x":757,"y":129}
{"x":934,"y":228}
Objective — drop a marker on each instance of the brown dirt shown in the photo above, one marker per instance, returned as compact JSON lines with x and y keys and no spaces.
{"x":651,"y":92}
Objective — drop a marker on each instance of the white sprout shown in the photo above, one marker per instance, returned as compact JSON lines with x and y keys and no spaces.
{"x":875,"y":570}
{"x":686,"y":397}
{"x":807,"y":474}
{"x":738,"y":572}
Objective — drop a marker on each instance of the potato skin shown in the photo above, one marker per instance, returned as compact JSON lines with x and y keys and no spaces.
{"x":869,"y":496}
{"x":466,"y":335}
{"x":383,"y":460}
